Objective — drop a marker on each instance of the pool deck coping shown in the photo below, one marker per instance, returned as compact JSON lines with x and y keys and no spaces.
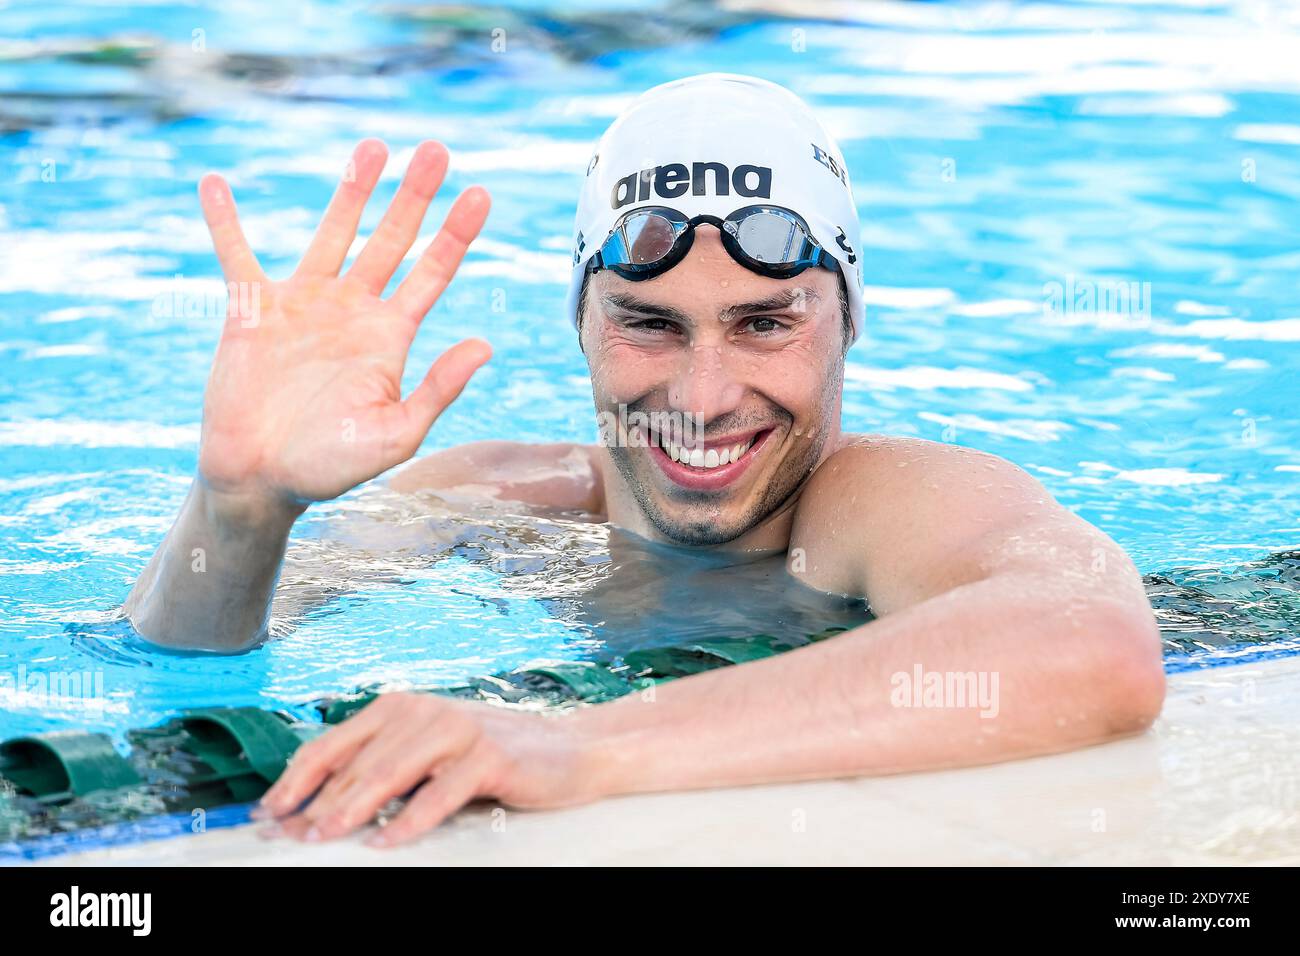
{"x":1214,"y":782}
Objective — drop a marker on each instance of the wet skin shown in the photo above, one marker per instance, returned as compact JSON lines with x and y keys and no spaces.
{"x":968,"y":561}
{"x":757,"y":361}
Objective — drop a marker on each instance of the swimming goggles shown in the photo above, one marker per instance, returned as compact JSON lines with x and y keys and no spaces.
{"x":770,"y":240}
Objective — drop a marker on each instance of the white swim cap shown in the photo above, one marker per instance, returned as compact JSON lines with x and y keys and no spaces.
{"x":710,"y":144}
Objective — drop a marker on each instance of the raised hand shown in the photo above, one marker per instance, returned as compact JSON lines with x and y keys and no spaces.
{"x":304,"y":399}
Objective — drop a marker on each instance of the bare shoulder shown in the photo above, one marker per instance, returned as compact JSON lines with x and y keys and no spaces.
{"x":914,"y":466}
{"x":887,"y":484}
{"x":902,"y":517}
{"x":558,"y":475}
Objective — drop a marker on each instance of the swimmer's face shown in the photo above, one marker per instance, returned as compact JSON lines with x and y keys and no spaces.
{"x":757,"y":362}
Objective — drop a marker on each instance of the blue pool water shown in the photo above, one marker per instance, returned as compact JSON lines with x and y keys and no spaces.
{"x":1000,"y":155}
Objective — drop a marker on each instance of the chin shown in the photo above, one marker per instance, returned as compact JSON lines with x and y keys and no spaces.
{"x":710,"y":516}
{"x":702,"y":519}
{"x":701,"y":532}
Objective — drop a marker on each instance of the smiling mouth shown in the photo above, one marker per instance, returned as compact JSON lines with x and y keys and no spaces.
{"x":708,"y":466}
{"x":709,"y":457}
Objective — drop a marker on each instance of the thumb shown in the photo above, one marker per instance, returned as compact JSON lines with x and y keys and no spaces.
{"x":443,"y":383}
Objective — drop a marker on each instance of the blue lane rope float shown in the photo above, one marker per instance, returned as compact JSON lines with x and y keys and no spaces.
{"x":57,"y":783}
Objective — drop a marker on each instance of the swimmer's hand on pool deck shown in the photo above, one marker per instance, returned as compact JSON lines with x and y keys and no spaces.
{"x":304,"y":398}
{"x":1039,"y":617}
{"x":821,"y":712}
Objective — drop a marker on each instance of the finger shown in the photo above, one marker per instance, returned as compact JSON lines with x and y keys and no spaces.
{"x":295,"y":828}
{"x":434,"y":269}
{"x":338,"y":227}
{"x":442,"y":384}
{"x":455,"y":785}
{"x":316,"y":760}
{"x":385,"y":248}
{"x":389,"y":767}
{"x":238,"y":263}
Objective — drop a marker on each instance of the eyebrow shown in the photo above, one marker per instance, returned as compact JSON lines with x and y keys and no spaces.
{"x":777,"y":302}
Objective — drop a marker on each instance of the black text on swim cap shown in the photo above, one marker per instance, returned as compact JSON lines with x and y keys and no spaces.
{"x":671,"y":181}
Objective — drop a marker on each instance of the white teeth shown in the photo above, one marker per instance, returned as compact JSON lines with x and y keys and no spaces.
{"x":713,"y":458}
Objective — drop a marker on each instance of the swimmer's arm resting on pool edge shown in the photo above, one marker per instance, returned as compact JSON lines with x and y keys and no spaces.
{"x":304,"y":399}
{"x":1045,"y":614}
{"x":1007,"y":627}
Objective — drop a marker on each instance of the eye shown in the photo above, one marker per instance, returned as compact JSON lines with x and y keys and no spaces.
{"x":764,"y":326}
{"x":654,"y":326}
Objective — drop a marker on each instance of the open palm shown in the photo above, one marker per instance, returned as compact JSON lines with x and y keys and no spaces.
{"x":304,"y":400}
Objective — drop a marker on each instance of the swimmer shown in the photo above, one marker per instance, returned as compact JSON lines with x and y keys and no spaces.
{"x":716,"y":288}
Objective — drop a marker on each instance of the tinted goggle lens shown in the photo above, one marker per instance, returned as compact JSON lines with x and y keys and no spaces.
{"x":647,"y":237}
{"x":769,"y":237}
{"x":647,"y":241}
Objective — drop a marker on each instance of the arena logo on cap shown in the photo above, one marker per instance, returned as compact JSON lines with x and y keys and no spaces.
{"x":673,"y":179}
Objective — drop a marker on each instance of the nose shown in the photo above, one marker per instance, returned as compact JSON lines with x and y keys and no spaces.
{"x":705,"y":382}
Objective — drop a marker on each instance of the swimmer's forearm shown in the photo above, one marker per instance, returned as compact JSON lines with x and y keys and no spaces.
{"x":210,"y":583}
{"x":839,"y":708}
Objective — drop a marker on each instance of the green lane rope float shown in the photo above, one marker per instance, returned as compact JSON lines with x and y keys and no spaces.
{"x":212,"y":757}
{"x":553,"y":683}
{"x":669,"y":663}
{"x":57,"y":767}
{"x":219,"y":756}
